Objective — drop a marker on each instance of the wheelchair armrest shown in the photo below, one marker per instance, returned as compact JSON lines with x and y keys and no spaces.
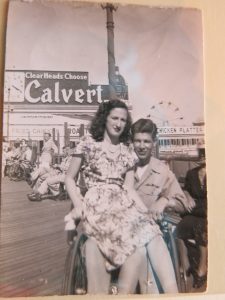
{"x":171,"y":217}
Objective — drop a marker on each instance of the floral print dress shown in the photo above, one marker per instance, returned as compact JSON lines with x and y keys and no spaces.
{"x":115,"y":221}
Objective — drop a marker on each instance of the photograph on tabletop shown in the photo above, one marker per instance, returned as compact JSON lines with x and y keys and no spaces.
{"x":103,"y":187}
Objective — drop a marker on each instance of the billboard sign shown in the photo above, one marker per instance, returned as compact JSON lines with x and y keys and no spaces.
{"x":180,"y":130}
{"x":52,"y":87}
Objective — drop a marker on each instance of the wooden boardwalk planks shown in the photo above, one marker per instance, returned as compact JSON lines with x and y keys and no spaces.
{"x":33,"y":243}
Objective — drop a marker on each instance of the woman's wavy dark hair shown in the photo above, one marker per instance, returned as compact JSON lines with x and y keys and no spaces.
{"x":98,"y":124}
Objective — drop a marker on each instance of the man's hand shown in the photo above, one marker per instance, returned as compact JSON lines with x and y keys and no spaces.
{"x":77,"y":212}
{"x":57,"y":167}
{"x":190,"y":204}
{"x":157,"y":208}
{"x":134,"y":196}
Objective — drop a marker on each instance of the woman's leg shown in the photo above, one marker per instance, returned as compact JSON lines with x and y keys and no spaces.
{"x":201,"y":241}
{"x":130,"y":270}
{"x":162,"y":264}
{"x":202,"y":268}
{"x":97,"y":276}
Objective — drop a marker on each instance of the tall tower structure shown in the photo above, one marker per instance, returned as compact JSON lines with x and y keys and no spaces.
{"x":110,"y":48}
{"x":117,"y":86}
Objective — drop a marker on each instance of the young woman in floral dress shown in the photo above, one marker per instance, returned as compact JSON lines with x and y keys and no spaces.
{"x":114,"y":217}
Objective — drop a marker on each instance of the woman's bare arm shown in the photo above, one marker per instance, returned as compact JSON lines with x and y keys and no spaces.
{"x":71,"y":187}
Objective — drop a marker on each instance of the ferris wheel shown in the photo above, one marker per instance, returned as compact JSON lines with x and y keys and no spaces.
{"x":165,"y":113}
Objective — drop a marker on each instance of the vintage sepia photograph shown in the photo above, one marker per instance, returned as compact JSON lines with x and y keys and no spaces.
{"x":103,"y":187}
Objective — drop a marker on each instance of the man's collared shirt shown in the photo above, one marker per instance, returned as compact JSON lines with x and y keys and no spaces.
{"x":158,"y":181}
{"x":64,"y":166}
{"x":49,"y":146}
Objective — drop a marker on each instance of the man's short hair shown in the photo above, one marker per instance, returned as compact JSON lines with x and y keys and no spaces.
{"x":144,"y":126}
{"x":48,"y":133}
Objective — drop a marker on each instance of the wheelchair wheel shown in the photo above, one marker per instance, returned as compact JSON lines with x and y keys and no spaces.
{"x":20,"y":173}
{"x":179,"y":268}
{"x":6,"y":171}
{"x":182,"y":256}
{"x":17,"y":172}
{"x":75,"y":278}
{"x":11,"y":172}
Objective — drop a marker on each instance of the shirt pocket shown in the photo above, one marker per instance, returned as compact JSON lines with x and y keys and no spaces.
{"x":151,"y":190}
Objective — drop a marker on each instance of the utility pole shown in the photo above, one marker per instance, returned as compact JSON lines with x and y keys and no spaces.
{"x":110,"y":46}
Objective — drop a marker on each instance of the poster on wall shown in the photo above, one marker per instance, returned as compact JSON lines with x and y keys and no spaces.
{"x":103,"y":111}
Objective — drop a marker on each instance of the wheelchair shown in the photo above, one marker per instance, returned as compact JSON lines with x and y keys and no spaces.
{"x":189,"y":260}
{"x":19,"y":170}
{"x":75,"y":278}
{"x":168,"y":227}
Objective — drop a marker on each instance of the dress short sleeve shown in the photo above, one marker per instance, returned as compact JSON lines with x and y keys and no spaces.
{"x":83,"y":147}
{"x":131,"y":157}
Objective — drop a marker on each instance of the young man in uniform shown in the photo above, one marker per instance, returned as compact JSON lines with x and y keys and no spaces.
{"x":157,"y":186}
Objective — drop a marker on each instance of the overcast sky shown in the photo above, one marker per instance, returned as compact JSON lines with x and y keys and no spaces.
{"x":159,"y":51}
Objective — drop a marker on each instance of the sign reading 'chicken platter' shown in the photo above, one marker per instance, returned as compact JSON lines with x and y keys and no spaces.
{"x":46,"y":87}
